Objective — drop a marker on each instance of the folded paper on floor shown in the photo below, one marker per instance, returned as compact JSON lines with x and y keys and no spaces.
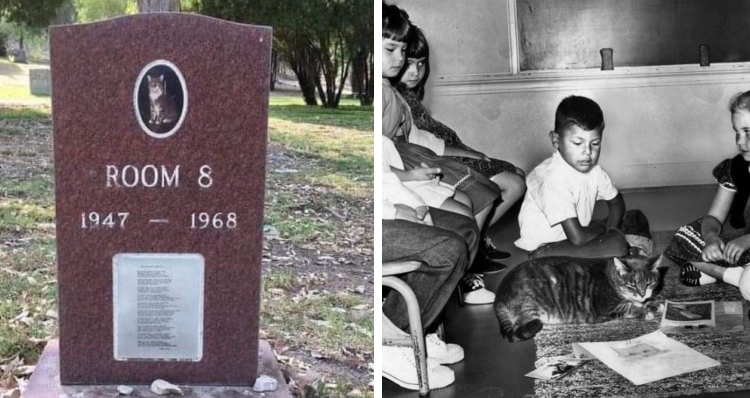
{"x":648,"y":358}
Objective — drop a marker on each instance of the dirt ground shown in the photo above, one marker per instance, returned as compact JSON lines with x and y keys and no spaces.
{"x":343,"y":264}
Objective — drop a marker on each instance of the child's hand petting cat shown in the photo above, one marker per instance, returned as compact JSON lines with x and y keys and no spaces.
{"x":713,"y":250}
{"x":735,"y":248}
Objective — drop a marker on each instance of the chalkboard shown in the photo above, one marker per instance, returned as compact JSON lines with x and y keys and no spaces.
{"x":553,"y":34}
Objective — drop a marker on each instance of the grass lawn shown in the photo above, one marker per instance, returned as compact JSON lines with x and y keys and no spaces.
{"x":301,"y":310}
{"x":14,"y":83}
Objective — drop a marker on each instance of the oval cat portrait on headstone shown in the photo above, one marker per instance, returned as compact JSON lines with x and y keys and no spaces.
{"x":160,"y":99}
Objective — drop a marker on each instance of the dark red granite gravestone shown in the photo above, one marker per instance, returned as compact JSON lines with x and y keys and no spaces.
{"x":160,"y":127}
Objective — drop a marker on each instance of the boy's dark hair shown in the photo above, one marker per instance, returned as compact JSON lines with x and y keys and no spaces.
{"x":418,"y":48}
{"x":580,"y":111}
{"x":396,"y":25}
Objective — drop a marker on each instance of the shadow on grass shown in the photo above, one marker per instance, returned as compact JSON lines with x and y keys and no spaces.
{"x":348,"y":116}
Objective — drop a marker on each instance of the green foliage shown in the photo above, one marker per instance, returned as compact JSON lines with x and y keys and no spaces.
{"x":23,"y":113}
{"x":30,"y":13}
{"x":190,"y":5}
{"x":315,"y":37}
{"x":66,"y":14}
{"x":95,"y":10}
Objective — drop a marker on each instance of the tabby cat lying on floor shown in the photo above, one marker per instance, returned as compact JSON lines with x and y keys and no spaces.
{"x":567,"y":290}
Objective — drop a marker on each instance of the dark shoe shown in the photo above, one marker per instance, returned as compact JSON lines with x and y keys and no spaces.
{"x":491,"y":251}
{"x":471,"y":288}
{"x":483,"y":265}
{"x":689,"y":275}
{"x":634,"y":222}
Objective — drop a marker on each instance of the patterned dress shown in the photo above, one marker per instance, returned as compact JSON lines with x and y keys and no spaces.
{"x":424,"y":121}
{"x":687,"y":244}
{"x":397,"y":123}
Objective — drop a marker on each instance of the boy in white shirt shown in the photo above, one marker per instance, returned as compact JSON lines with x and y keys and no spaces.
{"x":555,"y":217}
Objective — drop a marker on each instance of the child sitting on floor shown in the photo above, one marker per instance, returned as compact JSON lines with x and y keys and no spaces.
{"x":556,"y":215}
{"x":716,"y":246}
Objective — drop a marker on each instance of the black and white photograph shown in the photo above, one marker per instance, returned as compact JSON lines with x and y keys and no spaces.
{"x":689,"y":314}
{"x":160,"y":99}
{"x":593,"y":162}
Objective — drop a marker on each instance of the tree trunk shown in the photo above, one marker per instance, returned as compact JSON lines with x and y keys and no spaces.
{"x":367,"y":99}
{"x":357,"y":80}
{"x":303,"y":65}
{"x":274,"y":67}
{"x":144,"y":6}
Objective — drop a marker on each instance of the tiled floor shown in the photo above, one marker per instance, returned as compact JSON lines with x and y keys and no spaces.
{"x":494,"y":367}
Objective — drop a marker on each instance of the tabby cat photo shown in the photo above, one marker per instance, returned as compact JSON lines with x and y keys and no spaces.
{"x":567,"y":290}
{"x":162,"y":108}
{"x":160,"y":99}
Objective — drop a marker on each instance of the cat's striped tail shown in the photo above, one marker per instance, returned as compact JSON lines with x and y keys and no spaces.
{"x":514,"y":329}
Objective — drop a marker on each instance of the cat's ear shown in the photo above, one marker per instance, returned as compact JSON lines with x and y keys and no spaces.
{"x":621,"y":267}
{"x":161,"y":78}
{"x":149,"y":78}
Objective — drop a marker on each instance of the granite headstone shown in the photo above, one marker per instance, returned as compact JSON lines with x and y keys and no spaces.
{"x":39,"y":83}
{"x":160,"y":127}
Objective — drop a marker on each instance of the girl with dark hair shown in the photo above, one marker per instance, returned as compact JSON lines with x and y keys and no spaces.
{"x":509,"y":178}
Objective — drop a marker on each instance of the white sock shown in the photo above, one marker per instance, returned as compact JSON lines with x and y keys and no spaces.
{"x":391,"y":331}
{"x":732,"y":275}
{"x":707,"y":280}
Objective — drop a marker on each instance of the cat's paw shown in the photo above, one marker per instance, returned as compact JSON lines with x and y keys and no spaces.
{"x":655,"y":307}
{"x":649,"y":316}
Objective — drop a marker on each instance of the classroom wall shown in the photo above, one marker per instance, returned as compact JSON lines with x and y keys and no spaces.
{"x":658,"y":135}
{"x":466,"y":48}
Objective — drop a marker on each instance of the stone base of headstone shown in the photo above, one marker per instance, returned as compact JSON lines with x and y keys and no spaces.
{"x":45,"y":382}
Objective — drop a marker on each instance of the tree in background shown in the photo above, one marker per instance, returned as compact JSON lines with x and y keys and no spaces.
{"x":157,"y":5}
{"x":361,"y":48}
{"x":29,"y":13}
{"x":96,"y":10}
{"x":317,"y":38}
{"x":25,"y":17}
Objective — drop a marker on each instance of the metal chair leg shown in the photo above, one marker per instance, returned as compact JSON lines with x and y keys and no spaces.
{"x":415,"y":326}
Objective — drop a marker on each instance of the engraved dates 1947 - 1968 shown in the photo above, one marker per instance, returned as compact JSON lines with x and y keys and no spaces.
{"x":155,"y":176}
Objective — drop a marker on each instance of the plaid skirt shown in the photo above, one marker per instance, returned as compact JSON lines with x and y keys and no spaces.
{"x":482,"y":191}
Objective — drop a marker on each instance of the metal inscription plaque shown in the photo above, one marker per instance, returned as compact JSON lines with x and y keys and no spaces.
{"x":158,"y":306}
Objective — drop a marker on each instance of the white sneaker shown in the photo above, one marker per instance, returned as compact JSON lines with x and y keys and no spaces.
{"x":400,"y":367}
{"x":441,"y":351}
